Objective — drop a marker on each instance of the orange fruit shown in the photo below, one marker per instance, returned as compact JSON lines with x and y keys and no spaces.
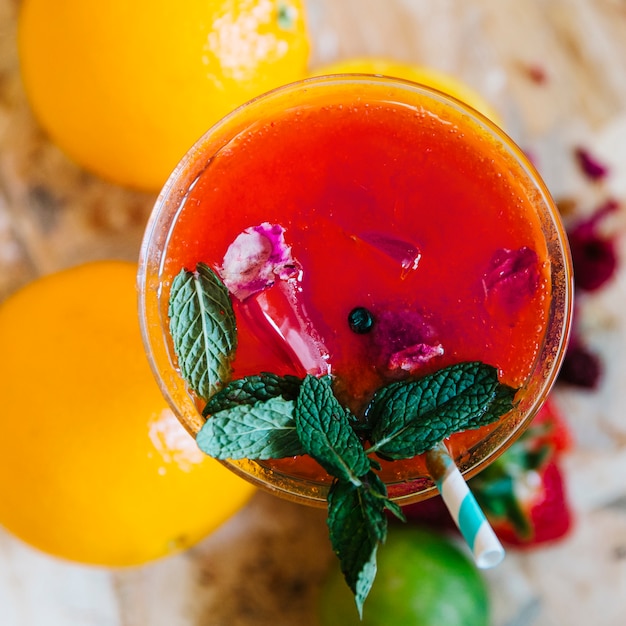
{"x":125,"y":88}
{"x":418,"y":74}
{"x":423,"y":579}
{"x":94,"y":467}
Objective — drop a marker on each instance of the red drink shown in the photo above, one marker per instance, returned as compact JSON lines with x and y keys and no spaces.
{"x":396,"y":204}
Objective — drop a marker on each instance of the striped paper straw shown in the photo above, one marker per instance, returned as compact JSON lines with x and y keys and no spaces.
{"x":468,"y":516}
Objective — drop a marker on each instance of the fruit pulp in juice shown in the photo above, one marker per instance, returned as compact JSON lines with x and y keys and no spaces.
{"x":414,"y":215}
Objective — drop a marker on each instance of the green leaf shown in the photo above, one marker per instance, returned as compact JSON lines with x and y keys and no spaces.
{"x":496,"y":496}
{"x":357,"y":526}
{"x":252,"y":389}
{"x":503,"y":402}
{"x":409,"y":418}
{"x":285,"y":16}
{"x":265,"y":430}
{"x":203,"y":329}
{"x":326,"y":433}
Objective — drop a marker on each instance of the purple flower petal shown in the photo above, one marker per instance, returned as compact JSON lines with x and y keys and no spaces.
{"x":590,"y":166}
{"x":404,"y":340}
{"x":256,"y":259}
{"x":581,"y":368}
{"x":405,"y":253}
{"x":594,"y":256}
{"x":410,"y":359}
{"x":511,"y":278}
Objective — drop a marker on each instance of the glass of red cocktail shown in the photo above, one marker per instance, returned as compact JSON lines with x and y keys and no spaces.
{"x":373,"y":230}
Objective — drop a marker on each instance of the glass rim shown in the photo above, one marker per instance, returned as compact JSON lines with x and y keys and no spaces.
{"x":163,"y":218}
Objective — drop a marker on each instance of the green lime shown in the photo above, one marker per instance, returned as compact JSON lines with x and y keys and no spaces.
{"x":423,"y":579}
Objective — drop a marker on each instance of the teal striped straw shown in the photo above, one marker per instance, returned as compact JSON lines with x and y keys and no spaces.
{"x":461,"y":503}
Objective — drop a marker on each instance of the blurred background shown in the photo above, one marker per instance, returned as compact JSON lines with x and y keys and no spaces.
{"x":554,"y":74}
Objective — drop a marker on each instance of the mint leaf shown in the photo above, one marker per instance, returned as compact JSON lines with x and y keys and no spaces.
{"x":357,"y":526}
{"x":265,"y":430}
{"x":203,"y":329}
{"x":252,"y":389}
{"x":326,"y":433}
{"x":409,"y":418}
{"x":503,"y":402}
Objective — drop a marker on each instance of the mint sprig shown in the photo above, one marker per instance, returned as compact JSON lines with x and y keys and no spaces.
{"x":357,"y":499}
{"x":263,"y":430}
{"x":410,"y":418}
{"x":326,"y":433}
{"x":267,"y":416}
{"x":203,"y":329}
{"x":253,"y":389}
{"x":358,"y":525}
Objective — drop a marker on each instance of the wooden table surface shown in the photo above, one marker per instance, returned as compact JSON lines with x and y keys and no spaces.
{"x":556,"y":72}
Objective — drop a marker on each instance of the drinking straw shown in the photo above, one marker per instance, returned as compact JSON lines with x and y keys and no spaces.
{"x":461,"y":503}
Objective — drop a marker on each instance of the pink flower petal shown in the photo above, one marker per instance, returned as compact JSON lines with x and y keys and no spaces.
{"x":511,"y":278}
